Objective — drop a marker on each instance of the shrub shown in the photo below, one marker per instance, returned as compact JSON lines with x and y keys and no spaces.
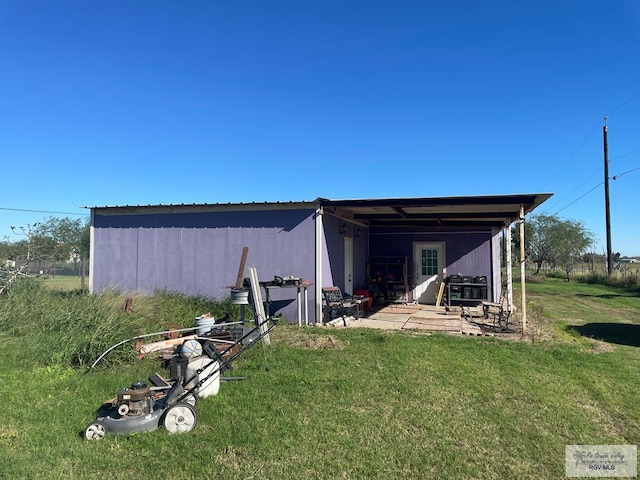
{"x":626,"y":282}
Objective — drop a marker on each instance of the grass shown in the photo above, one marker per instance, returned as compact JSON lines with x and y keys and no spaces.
{"x":354,"y":403}
{"x":604,"y":312}
{"x":64,"y":282}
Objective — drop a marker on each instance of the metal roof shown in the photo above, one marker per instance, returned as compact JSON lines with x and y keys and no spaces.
{"x":470,"y":211}
{"x":460,"y":211}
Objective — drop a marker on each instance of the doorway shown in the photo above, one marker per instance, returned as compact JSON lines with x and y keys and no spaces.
{"x":428,"y":271}
{"x":348,"y":265}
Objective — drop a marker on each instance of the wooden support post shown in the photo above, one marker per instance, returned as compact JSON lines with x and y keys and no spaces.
{"x":523,"y":289}
{"x":243,"y":261}
{"x":509,"y":267}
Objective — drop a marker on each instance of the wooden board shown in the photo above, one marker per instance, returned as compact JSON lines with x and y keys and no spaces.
{"x":243,"y":261}
{"x":440,"y":294}
{"x":164,"y":344}
{"x":258,"y":305}
{"x":400,"y":308}
{"x":444,"y":324}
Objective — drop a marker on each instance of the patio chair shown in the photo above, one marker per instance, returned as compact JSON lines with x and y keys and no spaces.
{"x":336,"y":305}
{"x":498,"y":311}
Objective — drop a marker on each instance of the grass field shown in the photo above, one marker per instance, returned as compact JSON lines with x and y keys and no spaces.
{"x":350,"y":403}
{"x":63,"y":282}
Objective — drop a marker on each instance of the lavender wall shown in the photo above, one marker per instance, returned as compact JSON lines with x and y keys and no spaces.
{"x":199,"y":253}
{"x":467,"y":253}
{"x":333,"y":252}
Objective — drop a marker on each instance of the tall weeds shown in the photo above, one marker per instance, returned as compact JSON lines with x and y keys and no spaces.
{"x":629,"y":281}
{"x":74,"y":328}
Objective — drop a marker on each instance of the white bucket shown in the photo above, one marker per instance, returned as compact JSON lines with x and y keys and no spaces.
{"x":205,"y":324}
{"x":212,"y":385}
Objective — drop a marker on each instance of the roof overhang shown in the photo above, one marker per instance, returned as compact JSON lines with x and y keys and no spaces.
{"x":435,"y":212}
{"x":449,"y":212}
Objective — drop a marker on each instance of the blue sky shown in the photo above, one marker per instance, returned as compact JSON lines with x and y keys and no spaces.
{"x":149,"y":102}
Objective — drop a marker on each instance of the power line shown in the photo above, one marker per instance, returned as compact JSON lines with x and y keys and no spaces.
{"x":41,"y":211}
{"x":626,"y":154}
{"x":628,"y":100}
{"x":579,"y":198}
{"x":559,"y":202}
{"x":574,"y":155}
{"x":616,"y":177}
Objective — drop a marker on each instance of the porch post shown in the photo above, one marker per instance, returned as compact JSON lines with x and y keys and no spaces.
{"x":92,"y":250}
{"x":523,"y":289}
{"x":318,"y":254}
{"x":509,"y":266}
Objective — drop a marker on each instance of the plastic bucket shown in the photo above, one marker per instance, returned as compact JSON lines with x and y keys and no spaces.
{"x":205,"y":324}
{"x":211,"y":386}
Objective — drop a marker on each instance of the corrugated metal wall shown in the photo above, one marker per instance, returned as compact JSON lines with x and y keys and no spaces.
{"x":199,"y":253}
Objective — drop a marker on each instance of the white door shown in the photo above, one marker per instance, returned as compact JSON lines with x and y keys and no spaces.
{"x":428,"y":266}
{"x":348,"y":265}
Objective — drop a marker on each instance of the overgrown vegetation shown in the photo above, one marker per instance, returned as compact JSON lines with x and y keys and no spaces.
{"x":335,"y":403}
{"x":73,"y":328}
{"x":628,"y":281}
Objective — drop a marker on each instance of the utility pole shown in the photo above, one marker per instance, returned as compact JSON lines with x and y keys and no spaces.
{"x":606,"y":198}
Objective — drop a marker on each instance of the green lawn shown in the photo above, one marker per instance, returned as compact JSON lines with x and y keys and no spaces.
{"x":348,"y":403}
{"x":64,"y":282}
{"x":605,"y":313}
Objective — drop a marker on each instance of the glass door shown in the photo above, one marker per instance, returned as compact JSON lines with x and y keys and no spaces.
{"x":428,"y":265}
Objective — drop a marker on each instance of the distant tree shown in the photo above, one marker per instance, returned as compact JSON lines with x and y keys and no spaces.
{"x":515,"y":240}
{"x":559,"y":243}
{"x":573,"y":241}
{"x":42,"y":246}
{"x":67,"y":236}
{"x":21,"y":256}
{"x":71,"y":237}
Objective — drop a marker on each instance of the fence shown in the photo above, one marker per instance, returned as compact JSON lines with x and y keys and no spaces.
{"x":46,"y":268}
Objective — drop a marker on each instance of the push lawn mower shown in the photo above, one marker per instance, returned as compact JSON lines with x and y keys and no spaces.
{"x":195,"y":373}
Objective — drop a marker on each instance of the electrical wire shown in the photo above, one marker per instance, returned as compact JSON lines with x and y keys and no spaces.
{"x":559,"y":202}
{"x":628,"y":100}
{"x":626,"y":154}
{"x":624,"y":103}
{"x":573,"y":156}
{"x":41,"y":211}
{"x":579,"y":198}
{"x":616,"y":177}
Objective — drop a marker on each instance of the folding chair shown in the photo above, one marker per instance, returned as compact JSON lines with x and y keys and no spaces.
{"x":498,"y":311}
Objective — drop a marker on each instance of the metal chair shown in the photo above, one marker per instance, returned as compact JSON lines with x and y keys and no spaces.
{"x":498,"y":311}
{"x":335,"y":304}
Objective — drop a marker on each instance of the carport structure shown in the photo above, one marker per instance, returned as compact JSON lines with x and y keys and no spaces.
{"x":407,"y":217}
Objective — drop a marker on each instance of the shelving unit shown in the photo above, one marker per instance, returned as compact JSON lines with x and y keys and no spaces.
{"x":464,"y":292}
{"x":389,"y":278}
